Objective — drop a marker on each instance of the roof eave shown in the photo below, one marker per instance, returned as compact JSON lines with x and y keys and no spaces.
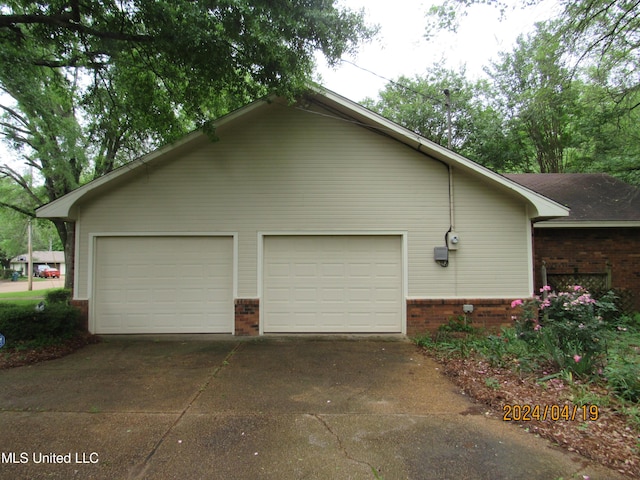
{"x":542,"y":207}
{"x":64,"y":207}
{"x":588,"y":224}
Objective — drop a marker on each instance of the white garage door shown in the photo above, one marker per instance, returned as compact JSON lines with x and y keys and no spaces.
{"x":163,"y":285}
{"x":332,"y":284}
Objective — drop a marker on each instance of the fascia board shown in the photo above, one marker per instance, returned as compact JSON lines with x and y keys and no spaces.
{"x":63,"y":207}
{"x":587,"y":224}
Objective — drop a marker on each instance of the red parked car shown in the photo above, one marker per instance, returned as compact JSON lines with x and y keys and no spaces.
{"x":50,"y":273}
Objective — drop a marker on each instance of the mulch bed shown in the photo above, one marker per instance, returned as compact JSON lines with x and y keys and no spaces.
{"x":610,"y":440}
{"x":10,"y":358}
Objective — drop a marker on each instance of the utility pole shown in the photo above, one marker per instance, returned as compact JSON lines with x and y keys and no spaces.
{"x":30,"y":243}
{"x":30,"y":269}
{"x":447,"y":94}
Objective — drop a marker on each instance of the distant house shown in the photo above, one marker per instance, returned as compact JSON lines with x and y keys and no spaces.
{"x":598,"y":244}
{"x":52,"y":258}
{"x":313,"y":217}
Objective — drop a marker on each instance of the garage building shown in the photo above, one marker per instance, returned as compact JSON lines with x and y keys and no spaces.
{"x":314,"y":217}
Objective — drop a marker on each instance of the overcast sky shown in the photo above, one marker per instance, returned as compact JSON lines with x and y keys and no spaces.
{"x":401,"y":49}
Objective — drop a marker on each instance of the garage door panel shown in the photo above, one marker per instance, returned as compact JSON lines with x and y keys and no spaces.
{"x":327,"y":284}
{"x":333,"y":270}
{"x":278,"y":270}
{"x":333,"y":295}
{"x":386,"y":295}
{"x":306,"y":270}
{"x":360,"y":270}
{"x":163,"y":285}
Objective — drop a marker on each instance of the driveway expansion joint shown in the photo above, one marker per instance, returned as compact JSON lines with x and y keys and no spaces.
{"x":139,"y":470}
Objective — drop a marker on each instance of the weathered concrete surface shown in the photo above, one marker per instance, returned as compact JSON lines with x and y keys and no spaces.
{"x":272,"y":408}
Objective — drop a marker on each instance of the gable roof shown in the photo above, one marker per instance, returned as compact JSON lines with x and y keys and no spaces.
{"x":41,"y":256}
{"x":595,"y":199}
{"x":540,"y":207}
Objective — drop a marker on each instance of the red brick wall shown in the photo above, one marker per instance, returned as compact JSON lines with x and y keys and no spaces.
{"x":83,"y":306}
{"x":427,"y":315}
{"x":247,"y":312}
{"x":422,"y":315}
{"x":588,"y":250}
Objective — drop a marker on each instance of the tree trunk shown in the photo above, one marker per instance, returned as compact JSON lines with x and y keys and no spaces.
{"x":70,"y":255}
{"x":67,"y":232}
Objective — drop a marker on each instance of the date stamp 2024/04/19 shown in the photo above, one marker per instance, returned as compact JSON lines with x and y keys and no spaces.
{"x":528,"y":413}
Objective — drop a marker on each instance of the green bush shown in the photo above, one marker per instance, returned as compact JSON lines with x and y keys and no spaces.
{"x":459,"y":324}
{"x":59,"y":295}
{"x":569,"y":327}
{"x":23,"y":323}
{"x":623,"y":375}
{"x":507,"y":349}
{"x":623,"y":365}
{"x":6,"y":274}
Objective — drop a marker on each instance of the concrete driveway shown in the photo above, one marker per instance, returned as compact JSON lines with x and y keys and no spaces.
{"x":271,"y":408}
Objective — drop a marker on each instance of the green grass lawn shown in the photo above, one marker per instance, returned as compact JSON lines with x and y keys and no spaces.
{"x":24,"y":298}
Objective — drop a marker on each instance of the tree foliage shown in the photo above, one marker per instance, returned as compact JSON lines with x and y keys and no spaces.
{"x":568,"y":95}
{"x":90,"y":85}
{"x":191,"y":49}
{"x":606,"y":30}
{"x":421,"y":105}
{"x":13,"y":226}
{"x":537,"y":95}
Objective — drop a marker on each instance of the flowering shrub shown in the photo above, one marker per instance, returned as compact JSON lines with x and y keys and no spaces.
{"x":569,"y":327}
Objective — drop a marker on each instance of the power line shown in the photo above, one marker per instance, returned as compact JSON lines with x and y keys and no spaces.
{"x":393,"y":82}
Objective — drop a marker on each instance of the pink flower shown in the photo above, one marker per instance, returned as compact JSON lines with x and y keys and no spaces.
{"x":516,"y":303}
{"x":577,"y":358}
{"x":546,"y":288}
{"x":537,"y":327}
{"x":577,"y":288}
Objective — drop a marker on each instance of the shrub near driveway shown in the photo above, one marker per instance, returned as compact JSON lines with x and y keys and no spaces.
{"x":31,"y":325}
{"x":569,"y":328}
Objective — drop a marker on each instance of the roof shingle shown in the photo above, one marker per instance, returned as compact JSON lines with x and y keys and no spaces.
{"x":591,"y":196}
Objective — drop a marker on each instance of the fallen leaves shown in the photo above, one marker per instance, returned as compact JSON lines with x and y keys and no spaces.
{"x":609,"y":440}
{"x":10,"y":358}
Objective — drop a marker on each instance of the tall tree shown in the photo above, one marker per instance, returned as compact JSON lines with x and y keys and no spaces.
{"x":600,"y":42}
{"x":537,"y":94}
{"x":464,"y":112}
{"x":602,"y":29}
{"x":421,"y":105}
{"x":90,"y":85}
{"x":610,"y":137}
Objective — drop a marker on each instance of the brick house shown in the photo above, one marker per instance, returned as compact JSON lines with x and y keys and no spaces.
{"x":598,"y":244}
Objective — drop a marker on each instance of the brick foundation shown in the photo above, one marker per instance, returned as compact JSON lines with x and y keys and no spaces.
{"x":422,"y":315}
{"x":247,"y":312}
{"x":83,"y":306}
{"x":427,"y":315}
